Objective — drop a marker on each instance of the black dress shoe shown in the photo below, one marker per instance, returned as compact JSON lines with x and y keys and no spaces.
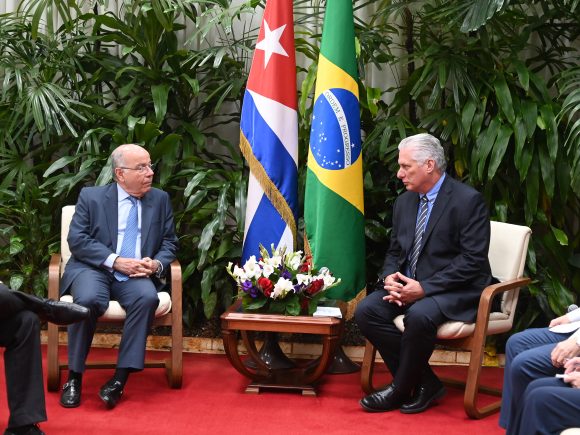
{"x":424,"y":396}
{"x":71,"y":394}
{"x":29,"y":429}
{"x":62,"y":313}
{"x":111,"y":393}
{"x":384,"y":400}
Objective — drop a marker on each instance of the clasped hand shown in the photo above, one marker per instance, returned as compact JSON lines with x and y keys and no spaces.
{"x":565,"y":349}
{"x":135,"y":268}
{"x":402,"y":289}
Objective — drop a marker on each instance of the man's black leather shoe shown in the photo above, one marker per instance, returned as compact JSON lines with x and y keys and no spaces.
{"x":384,"y":400}
{"x":61,"y":313}
{"x":111,"y":393}
{"x":71,"y":394}
{"x":29,"y":429}
{"x":424,"y":397}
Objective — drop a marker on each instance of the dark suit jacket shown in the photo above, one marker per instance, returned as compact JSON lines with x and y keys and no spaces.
{"x":453,"y":267}
{"x":92,"y":235}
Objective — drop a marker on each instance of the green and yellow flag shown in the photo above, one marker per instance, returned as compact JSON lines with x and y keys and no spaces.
{"x":334,"y":205}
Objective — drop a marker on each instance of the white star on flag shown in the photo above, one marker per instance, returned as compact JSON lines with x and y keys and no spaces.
{"x":271,"y":42}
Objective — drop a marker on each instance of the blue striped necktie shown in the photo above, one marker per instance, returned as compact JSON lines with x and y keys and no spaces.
{"x":419,"y":231}
{"x":130,"y":237}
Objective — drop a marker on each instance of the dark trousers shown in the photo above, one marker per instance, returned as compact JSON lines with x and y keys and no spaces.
{"x":406,"y":354}
{"x":20,"y":336}
{"x":549,"y":406}
{"x":527,"y":358}
{"x":138,"y":296}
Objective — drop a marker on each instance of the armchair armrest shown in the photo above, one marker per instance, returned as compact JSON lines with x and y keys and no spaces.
{"x":486,"y":299}
{"x":54,"y":276}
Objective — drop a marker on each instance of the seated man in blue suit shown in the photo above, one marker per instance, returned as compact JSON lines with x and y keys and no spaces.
{"x":550,"y":404}
{"x":20,"y":338}
{"x":533,"y":357}
{"x":122,"y":240}
{"x":435,"y":270}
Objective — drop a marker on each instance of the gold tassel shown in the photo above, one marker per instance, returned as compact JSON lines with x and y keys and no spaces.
{"x":270,"y":189}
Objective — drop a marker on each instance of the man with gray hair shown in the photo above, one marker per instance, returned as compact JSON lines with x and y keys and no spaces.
{"x":435,"y":270}
{"x":122,"y":240}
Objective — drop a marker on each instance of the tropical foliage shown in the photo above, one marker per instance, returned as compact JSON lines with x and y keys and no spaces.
{"x":497,"y":80}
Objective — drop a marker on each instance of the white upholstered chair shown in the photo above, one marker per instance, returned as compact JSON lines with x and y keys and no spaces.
{"x":507,"y":256}
{"x":168,"y":313}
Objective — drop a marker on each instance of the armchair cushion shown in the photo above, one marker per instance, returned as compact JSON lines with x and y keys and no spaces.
{"x":115,"y":313}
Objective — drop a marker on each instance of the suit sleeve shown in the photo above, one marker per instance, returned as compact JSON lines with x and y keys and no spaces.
{"x":169,"y":243}
{"x":82,"y":243}
{"x":391,"y":262}
{"x":468,"y":264}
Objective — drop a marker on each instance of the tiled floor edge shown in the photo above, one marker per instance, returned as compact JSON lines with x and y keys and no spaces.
{"x":293,"y":350}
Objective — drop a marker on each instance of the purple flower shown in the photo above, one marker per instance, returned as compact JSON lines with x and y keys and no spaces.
{"x":298,"y":288}
{"x":246,"y":286}
{"x":286,"y":274}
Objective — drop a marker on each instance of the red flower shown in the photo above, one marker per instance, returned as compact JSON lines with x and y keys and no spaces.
{"x":307,"y":265}
{"x":266,"y":285}
{"x":315,"y":287}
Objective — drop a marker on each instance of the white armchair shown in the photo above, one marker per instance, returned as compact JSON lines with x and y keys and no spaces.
{"x":168,"y":313}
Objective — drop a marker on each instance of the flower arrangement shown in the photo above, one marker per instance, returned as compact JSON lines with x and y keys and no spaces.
{"x":281,"y":283}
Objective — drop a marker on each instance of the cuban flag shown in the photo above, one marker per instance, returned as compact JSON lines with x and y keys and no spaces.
{"x":269,"y":134}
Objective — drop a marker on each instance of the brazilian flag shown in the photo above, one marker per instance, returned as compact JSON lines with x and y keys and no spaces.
{"x":334,"y":204}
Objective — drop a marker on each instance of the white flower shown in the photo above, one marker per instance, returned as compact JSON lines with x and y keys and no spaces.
{"x":303,"y":278}
{"x":328,"y":280}
{"x":273,"y":261}
{"x":294,"y":260}
{"x":239,"y":274}
{"x":282,"y":288}
{"x":252,"y":268}
{"x":267,"y":270}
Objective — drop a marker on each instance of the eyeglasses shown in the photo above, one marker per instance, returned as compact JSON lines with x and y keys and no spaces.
{"x":141,"y":168}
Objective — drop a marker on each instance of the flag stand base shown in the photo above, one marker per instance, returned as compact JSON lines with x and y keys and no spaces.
{"x":271,"y":354}
{"x":342,"y":364}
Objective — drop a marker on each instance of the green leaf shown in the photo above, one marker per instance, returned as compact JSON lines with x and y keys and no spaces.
{"x":504,"y":97}
{"x":16,"y":281}
{"x":529,"y":110}
{"x":209,"y":304}
{"x":207,"y":280}
{"x":467,"y":116}
{"x":532,"y":187}
{"x":523,"y":74}
{"x":485,"y":144}
{"x":499,"y":149}
{"x":547,"y":170}
{"x":560,"y":235}
{"x":59,"y":164}
{"x":549,"y":121}
{"x":160,"y":95}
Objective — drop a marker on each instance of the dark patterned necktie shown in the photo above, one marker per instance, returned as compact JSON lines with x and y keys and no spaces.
{"x":419,"y":231}
{"x":130,"y":237}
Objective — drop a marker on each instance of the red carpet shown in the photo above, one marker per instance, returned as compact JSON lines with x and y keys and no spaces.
{"x":212,"y":401}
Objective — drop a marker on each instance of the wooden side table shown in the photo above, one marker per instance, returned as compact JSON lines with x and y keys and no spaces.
{"x":301,"y":378}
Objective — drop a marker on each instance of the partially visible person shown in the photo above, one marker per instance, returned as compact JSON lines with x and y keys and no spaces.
{"x":550,"y":404}
{"x":122,"y":240}
{"x":20,"y":336}
{"x":435,"y":270}
{"x":535,"y":354}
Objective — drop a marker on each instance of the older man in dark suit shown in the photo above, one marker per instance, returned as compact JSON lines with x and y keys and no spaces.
{"x":435,"y":270}
{"x":122,"y":240}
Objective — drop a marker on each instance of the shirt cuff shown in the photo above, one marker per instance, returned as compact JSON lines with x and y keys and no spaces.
{"x":108,"y":263}
{"x":574,"y":316}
